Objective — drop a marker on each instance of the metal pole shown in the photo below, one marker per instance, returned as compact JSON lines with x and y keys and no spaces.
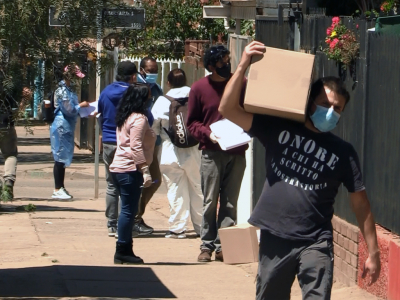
{"x":97,"y":128}
{"x":96,"y":158}
{"x":238,"y":26}
{"x":38,"y":96}
{"x":116,"y":61}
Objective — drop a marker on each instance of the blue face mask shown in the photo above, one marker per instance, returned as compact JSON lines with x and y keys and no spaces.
{"x":151,"y":78}
{"x":140,"y":78}
{"x":325,"y":119}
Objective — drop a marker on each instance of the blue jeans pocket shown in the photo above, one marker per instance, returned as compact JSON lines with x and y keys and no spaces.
{"x":123,"y":178}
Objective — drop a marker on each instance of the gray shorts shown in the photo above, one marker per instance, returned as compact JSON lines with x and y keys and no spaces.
{"x":281,"y":260}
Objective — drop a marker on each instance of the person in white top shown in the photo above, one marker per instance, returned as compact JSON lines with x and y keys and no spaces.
{"x":180,"y":167}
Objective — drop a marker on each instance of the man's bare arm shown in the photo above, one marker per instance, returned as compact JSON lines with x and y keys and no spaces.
{"x":230,"y":107}
{"x":362,"y":209}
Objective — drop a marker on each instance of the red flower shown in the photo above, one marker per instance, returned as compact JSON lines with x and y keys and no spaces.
{"x":329,"y":31}
{"x":357,"y":26}
{"x":334,"y":43}
{"x":335,"y":20}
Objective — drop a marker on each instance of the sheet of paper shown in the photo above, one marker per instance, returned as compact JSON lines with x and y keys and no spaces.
{"x":85,"y":112}
{"x":94,"y":104}
{"x":229,"y":135}
{"x":225,"y":126}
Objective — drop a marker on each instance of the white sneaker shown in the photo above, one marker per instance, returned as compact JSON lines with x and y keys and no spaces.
{"x":173,"y":235}
{"x":61,"y":194}
{"x":112,"y":231}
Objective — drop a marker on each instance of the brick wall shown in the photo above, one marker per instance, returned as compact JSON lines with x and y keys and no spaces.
{"x":345,"y":241}
{"x":351,"y":252}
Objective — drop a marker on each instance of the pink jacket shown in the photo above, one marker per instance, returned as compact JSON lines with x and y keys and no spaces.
{"x":135,"y":144}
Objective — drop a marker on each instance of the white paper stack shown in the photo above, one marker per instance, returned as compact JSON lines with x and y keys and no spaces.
{"x":229,"y":135}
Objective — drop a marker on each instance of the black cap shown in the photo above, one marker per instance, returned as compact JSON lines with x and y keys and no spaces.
{"x":126,"y":68}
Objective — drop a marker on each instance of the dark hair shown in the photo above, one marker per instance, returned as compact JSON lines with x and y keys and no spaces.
{"x":133,"y":101}
{"x":177,"y":78}
{"x":213,"y":55}
{"x":145,"y":60}
{"x":335,"y":84}
{"x":58,"y":72}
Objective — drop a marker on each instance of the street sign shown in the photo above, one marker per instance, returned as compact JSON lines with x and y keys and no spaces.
{"x":126,"y":18}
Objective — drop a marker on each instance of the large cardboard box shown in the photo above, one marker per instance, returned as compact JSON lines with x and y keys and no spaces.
{"x":239,"y":244}
{"x":279,"y":84}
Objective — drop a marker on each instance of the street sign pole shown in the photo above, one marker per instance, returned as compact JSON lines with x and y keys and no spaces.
{"x":98,"y":87}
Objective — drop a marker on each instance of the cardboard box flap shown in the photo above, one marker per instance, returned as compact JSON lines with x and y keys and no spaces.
{"x":279,"y":84}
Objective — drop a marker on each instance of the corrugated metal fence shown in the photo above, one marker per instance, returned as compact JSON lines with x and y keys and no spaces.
{"x":382,"y":129}
{"x":370,"y":121}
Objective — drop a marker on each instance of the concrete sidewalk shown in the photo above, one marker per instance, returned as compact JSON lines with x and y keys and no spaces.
{"x":62,"y":251}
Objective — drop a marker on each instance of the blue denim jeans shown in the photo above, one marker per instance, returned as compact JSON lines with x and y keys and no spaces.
{"x":129,"y":188}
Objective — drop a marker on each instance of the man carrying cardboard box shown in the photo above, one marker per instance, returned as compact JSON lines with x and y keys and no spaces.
{"x":305,"y":166}
{"x":221,"y":171}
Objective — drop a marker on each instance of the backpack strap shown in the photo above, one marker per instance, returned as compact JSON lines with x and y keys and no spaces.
{"x":182,"y":101}
{"x":169,"y":98}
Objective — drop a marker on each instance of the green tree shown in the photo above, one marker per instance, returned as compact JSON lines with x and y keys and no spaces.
{"x":168,"y":24}
{"x":26,"y":37}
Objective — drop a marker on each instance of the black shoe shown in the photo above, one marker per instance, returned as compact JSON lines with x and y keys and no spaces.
{"x":124,"y":255}
{"x":140,"y":228}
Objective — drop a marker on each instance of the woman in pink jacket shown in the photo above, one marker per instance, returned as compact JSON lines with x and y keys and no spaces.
{"x":130,"y":167}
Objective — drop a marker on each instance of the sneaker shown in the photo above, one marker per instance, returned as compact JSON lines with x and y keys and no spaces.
{"x":173,"y":235}
{"x":112,"y":231}
{"x":65,"y":190}
{"x":142,"y":229}
{"x":7,"y":192}
{"x":205,"y":255}
{"x":61,"y":194}
{"x":219,"y":256}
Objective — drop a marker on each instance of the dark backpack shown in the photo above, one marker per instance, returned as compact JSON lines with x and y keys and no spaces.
{"x":48,"y":114}
{"x":177,"y":129}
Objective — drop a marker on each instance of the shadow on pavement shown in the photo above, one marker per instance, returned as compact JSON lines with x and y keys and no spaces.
{"x":75,"y":199}
{"x":11,"y":209}
{"x":161,"y":234}
{"x":82,"y":281}
{"x":174,"y":264}
{"x":33,"y":141}
{"x":39,"y":158}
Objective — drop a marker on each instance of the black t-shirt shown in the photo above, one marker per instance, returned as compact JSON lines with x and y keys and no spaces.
{"x":304,"y":172}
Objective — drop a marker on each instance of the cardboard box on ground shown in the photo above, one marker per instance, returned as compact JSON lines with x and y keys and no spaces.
{"x":239,"y":244}
{"x":279,"y":84}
